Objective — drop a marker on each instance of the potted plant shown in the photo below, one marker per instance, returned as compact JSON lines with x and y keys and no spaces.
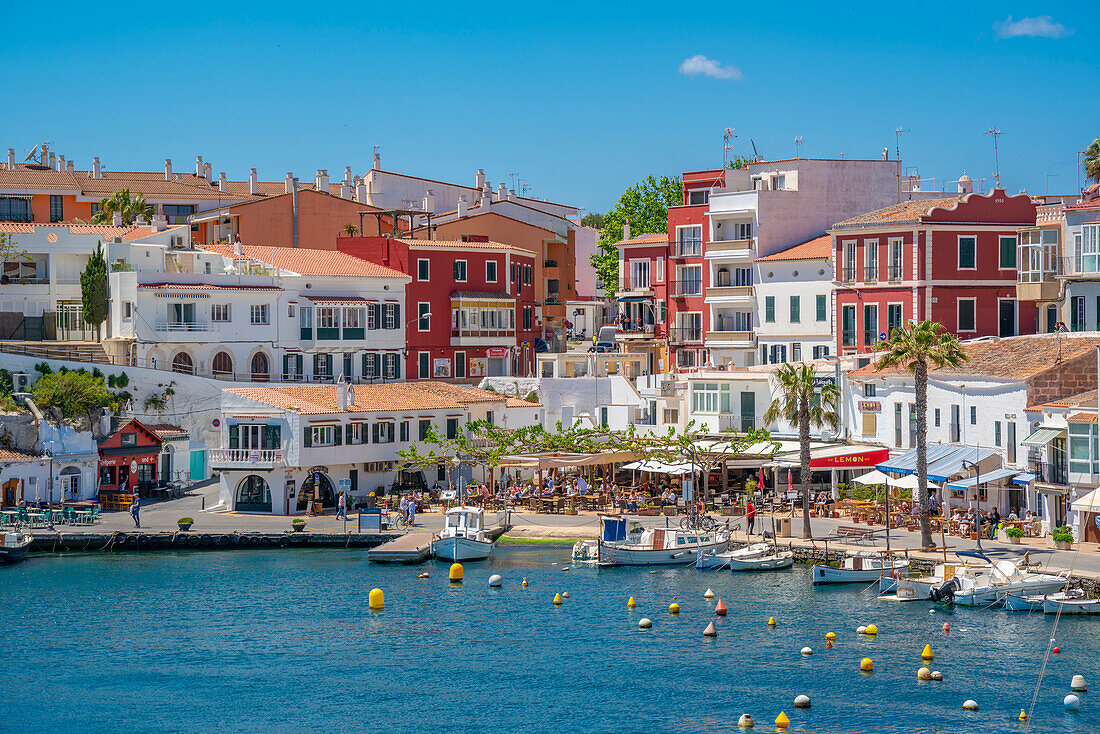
{"x":185,"y":523}
{"x":1062,"y":537}
{"x":572,"y":508}
{"x":1012,"y":535}
{"x":298,"y":524}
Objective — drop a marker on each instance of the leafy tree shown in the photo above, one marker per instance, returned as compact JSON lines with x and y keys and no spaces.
{"x":916,"y":347}
{"x":73,"y":393}
{"x":131,"y":207}
{"x":738,"y":161}
{"x":8,"y":248}
{"x":798,"y":402}
{"x":350,"y":230}
{"x":593,"y":220}
{"x":93,"y":289}
{"x":646,"y":205}
{"x":1091,"y":161}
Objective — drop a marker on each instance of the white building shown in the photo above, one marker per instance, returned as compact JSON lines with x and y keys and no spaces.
{"x":63,"y":465}
{"x":794,"y":302}
{"x":285,"y":446}
{"x":269,"y":315}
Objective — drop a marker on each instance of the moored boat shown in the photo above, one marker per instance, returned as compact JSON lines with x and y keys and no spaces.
{"x":718,"y":561}
{"x":14,"y":546}
{"x":636,"y":545}
{"x":859,"y":568}
{"x":1070,"y":602}
{"x":463,"y":536}
{"x":1019,"y":603}
{"x":770,"y":562}
{"x":988,"y":584}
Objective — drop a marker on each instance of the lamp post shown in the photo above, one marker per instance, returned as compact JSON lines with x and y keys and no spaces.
{"x":977,"y":499}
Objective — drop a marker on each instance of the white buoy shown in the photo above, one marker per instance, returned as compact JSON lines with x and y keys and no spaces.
{"x":860,"y":630}
{"x":1071,"y":702}
{"x":970,"y":704}
{"x":645,"y":623}
{"x":708,"y":594}
{"x":807,"y":651}
{"x":746,"y":722}
{"x":1078,"y":683}
{"x":711,"y":630}
{"x":495,"y":580}
{"x":565,"y":595}
{"x":802,"y":702}
{"x":937,"y":675}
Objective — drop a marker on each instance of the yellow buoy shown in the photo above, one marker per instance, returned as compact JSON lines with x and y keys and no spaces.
{"x":771,"y":621}
{"x":871,"y":630}
{"x":866,"y":665}
{"x":630,"y":603}
{"x":673,"y":608}
{"x":557,"y":599}
{"x":830,"y":636}
{"x":1023,"y":715}
{"x":781,"y":721}
{"x":524,"y":581}
{"x":455,"y":574}
{"x":376,"y":599}
{"x":927,"y":652}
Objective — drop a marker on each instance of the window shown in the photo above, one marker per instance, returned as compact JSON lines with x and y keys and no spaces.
{"x":423,"y":429}
{"x":128,"y":439}
{"x":870,"y":260}
{"x":403,"y":432}
{"x":895,"y":273}
{"x":848,"y":273}
{"x":868,"y":389}
{"x":374,"y":316}
{"x":322,"y":435}
{"x":391,"y":316}
{"x":322,"y":366}
{"x":691,"y":281}
{"x":353,"y":323}
{"x":701,"y":196}
{"x":769,"y":309}
{"x":423,"y":366}
{"x":1087,"y":244}
{"x":956,"y":424}
{"x":777,"y":354}
{"x":996,"y":433}
{"x":460,"y":271}
{"x":177,"y":213}
{"x":967,"y":307}
{"x":259,"y":313}
{"x":1008,"y":253}
{"x":689,"y":241}
{"x":460,"y":364}
{"x":382,"y":432}
{"x":973,"y":415}
{"x":356,"y":433}
{"x":659,"y":270}
{"x":528,"y":317}
{"x":490,"y":271}
{"x":796,"y":309}
{"x":290,"y":310}
{"x":423,"y":269}
{"x":968,"y":253}
{"x":848,"y":332}
{"x":870,"y":324}
{"x":936,"y":419}
{"x":423,"y":317}
{"x":57,"y":208}
{"x":822,"y":307}
{"x":796,"y":351}
{"x":1077,"y":313}
{"x":710,"y":397}
{"x":893,"y":318}
{"x":820,"y":351}
{"x":639,"y":275}
{"x":897,"y":425}
{"x":870,"y":424}
{"x":452,"y":428}
{"x":127,"y":309}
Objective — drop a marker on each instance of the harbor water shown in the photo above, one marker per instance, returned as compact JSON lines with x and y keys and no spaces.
{"x":283,"y":641}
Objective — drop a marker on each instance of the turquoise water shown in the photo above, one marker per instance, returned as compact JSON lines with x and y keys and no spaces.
{"x":248,"y":641}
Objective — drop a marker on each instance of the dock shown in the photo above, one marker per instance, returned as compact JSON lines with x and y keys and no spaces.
{"x":137,"y":540}
{"x":409,"y":548}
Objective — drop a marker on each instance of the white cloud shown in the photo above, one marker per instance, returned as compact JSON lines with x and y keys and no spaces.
{"x":1042,"y":26}
{"x":700,"y":64}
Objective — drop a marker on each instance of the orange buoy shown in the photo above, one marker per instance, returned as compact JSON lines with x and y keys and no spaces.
{"x":720,"y":608}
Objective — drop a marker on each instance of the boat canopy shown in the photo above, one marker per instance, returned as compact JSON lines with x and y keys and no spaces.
{"x":614,"y":529}
{"x":944,"y":460}
{"x":983,"y":478}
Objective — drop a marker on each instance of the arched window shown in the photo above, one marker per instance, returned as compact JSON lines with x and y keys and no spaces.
{"x":222,"y":365}
{"x":253,"y":495}
{"x":259,"y":367}
{"x":182,"y":363}
{"x":316,"y":487}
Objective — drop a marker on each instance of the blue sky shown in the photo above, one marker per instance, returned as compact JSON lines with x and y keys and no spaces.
{"x":579,"y":100}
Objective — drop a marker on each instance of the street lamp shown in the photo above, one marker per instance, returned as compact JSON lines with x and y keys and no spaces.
{"x":977,"y":499}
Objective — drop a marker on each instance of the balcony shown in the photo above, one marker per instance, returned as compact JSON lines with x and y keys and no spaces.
{"x":731,"y":247}
{"x":549,"y":263}
{"x":1056,"y":474}
{"x":870,"y":274}
{"x":848,"y":274}
{"x":894,"y":273}
{"x":635,"y":287}
{"x":637,"y":333}
{"x":185,"y":326}
{"x":686,"y":334}
{"x":245,"y":459}
{"x":688,"y":248}
{"x":724,"y":292}
{"x":684,"y":288}
{"x":731,"y":338}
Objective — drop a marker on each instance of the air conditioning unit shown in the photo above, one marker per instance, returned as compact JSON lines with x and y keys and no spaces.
{"x":20,"y":382}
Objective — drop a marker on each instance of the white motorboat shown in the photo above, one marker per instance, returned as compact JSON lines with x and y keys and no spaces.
{"x":985,"y":585}
{"x":1017,"y":603}
{"x":770,"y":562}
{"x":1070,"y":602}
{"x":463,"y":536}
{"x":619,"y":545}
{"x":718,"y":561}
{"x":860,"y":568}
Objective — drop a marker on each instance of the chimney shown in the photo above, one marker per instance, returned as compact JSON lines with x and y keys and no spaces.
{"x":116,"y":219}
{"x":347,"y":176}
{"x":345,"y":190}
{"x":320,"y":181}
{"x":160,"y":222}
{"x":253,"y":182}
{"x":479,"y":179}
{"x":377,"y":161}
{"x":486,"y":196}
{"x":167,"y":169}
{"x":626,"y":230}
{"x":44,"y":154}
{"x":12,"y":166}
{"x":288,"y":184}
{"x":341,"y":393}
{"x":461,"y":206}
{"x":502,"y":193}
{"x":221,"y":181}
{"x":179,"y":177}
{"x":362,"y":193}
{"x":429,"y":202}
{"x":198,"y":166}
{"x":70,"y":166}
{"x":96,"y":171}
{"x":511,"y":194}
{"x":53,"y":160}
{"x":61,"y":163}
{"x":207,"y":171}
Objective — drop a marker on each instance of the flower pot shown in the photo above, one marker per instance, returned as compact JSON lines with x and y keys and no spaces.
{"x":298,"y":528}
{"x":1013,"y":539}
{"x":571,"y":511}
{"x":1063,"y":545}
{"x":183,"y":526}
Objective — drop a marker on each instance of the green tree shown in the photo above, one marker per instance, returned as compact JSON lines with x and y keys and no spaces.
{"x":73,"y":393}
{"x":916,"y":347}
{"x":1091,"y":161}
{"x":130,"y":207}
{"x":350,"y":230}
{"x":93,"y":289}
{"x":593,"y":220}
{"x":646,"y":205}
{"x":8,"y":248}
{"x":799,"y":402}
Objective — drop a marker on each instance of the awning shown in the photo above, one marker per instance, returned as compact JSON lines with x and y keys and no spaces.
{"x":1089,"y":503}
{"x":983,"y":478}
{"x":1024,"y":479}
{"x":560,"y":459}
{"x":845,"y":457}
{"x":944,"y":460}
{"x":633,"y":299}
{"x":659,"y":467}
{"x":1041,"y":436}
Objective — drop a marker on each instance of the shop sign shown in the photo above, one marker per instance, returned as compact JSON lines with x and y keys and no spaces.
{"x":498,"y":352}
{"x":870,"y":406}
{"x":441,"y":368}
{"x":867,"y":458}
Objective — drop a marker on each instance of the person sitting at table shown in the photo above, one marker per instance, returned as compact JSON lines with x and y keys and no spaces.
{"x":632,"y":502}
{"x":1012,"y":515}
{"x":914,"y":510}
{"x":1029,"y":516}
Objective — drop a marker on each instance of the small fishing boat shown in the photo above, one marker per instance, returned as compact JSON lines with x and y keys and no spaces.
{"x":636,"y":545}
{"x":770,"y":562}
{"x":1070,"y":602}
{"x":14,"y":546}
{"x":1019,"y":603}
{"x":903,"y":590}
{"x":987,"y":584}
{"x":859,"y":568}
{"x":463,"y":536}
{"x":718,"y":561}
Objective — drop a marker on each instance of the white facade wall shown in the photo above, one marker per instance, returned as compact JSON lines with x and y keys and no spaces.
{"x":811,"y":337}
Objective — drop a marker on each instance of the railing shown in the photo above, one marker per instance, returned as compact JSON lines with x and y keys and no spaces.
{"x":75,"y":280}
{"x":636,"y":330}
{"x":5,"y":280}
{"x":870,"y":274}
{"x":247,"y":457}
{"x":630,"y":284}
{"x":894,"y":274}
{"x":686,"y":287}
{"x":730,"y":291}
{"x":483,"y":332}
{"x":724,"y":335}
{"x":549,"y":263}
{"x":717,"y":246}
{"x":689,"y":248}
{"x":848,"y":274}
{"x":175,"y":326}
{"x":686,"y":333}
{"x":17,"y":218}
{"x":848,"y":338}
{"x":1048,"y":473}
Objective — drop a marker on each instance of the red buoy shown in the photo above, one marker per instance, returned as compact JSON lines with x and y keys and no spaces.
{"x":720,"y":609}
{"x":1056,"y":651}
{"x":946,"y":627}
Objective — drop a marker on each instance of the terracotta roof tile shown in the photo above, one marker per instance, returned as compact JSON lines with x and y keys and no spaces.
{"x":819,"y":248}
{"x":205,"y":287}
{"x":9,"y":455}
{"x":1092,"y":204}
{"x":311,"y":262}
{"x":427,"y":244}
{"x":650,"y":238}
{"x":388,"y":397}
{"x":905,"y":212}
{"x":1082,"y":418}
{"x":167,"y":431}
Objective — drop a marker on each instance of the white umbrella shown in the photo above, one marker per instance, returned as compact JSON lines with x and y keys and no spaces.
{"x":872,"y":477}
{"x":1089,"y":503}
{"x":909,"y":481}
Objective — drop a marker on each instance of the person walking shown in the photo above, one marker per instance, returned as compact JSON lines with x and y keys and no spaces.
{"x":750,"y":515}
{"x":412,"y":512}
{"x":342,"y":507}
{"x":135,"y":509}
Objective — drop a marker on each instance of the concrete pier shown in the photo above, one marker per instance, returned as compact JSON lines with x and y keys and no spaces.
{"x":119,"y":540}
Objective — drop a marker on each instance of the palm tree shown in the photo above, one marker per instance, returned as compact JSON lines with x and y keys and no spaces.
{"x":350,"y":230}
{"x":1091,"y":161}
{"x":131,"y":208}
{"x":799,"y":403}
{"x":916,"y":347}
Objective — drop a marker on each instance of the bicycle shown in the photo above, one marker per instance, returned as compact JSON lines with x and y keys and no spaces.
{"x":692,"y":521}
{"x":398,"y":521}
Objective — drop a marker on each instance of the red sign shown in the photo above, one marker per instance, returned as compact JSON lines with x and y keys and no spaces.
{"x":497,"y":352}
{"x":851,"y":461}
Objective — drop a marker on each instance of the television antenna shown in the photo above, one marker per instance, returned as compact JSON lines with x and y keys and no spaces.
{"x":897,"y":141}
{"x":727,"y":145}
{"x":996,"y":157}
{"x":512,"y":176}
{"x":798,"y":143}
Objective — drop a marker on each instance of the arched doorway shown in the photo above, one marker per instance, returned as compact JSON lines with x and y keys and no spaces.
{"x":70,"y":483}
{"x":253,"y":495}
{"x":260,"y":368}
{"x":222,"y":366}
{"x":316,"y":486}
{"x":182,"y":363}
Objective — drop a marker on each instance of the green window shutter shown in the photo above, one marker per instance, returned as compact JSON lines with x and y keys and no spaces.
{"x":307,"y":437}
{"x":286,"y":364}
{"x":338,"y":434}
{"x":366,"y":371}
{"x":397,"y":315}
{"x":347,"y":434}
{"x":376,"y":361}
{"x":234,"y":437}
{"x":769,"y":308}
{"x":374,"y":432}
{"x":796,"y":309}
{"x":1008,"y":253}
{"x":271,"y":437}
{"x":822,"y":307}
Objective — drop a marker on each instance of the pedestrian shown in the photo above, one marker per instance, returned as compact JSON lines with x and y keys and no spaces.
{"x":342,"y":507}
{"x":412,"y":512}
{"x":135,"y":509}
{"x":750,"y":515}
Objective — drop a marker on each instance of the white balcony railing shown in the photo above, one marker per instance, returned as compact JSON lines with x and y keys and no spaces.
{"x":222,"y":458}
{"x":176,"y":326}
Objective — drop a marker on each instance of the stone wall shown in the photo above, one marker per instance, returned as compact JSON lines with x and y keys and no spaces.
{"x":1073,"y":376}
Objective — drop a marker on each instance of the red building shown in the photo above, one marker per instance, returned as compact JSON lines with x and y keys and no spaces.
{"x":471,"y":306}
{"x":128,"y":462}
{"x":950,"y":259}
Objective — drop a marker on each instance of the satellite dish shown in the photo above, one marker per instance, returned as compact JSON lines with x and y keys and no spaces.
{"x":30,"y":156}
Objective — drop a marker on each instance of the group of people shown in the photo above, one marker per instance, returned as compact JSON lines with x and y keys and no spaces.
{"x":991,"y":519}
